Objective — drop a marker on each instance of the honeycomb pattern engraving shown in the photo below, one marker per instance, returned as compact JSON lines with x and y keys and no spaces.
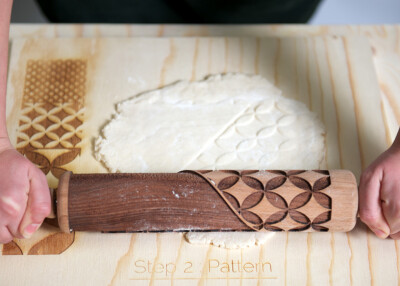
{"x":275,"y":200}
{"x":50,"y":127}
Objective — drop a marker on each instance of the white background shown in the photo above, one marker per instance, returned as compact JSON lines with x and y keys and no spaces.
{"x":357,"y":12}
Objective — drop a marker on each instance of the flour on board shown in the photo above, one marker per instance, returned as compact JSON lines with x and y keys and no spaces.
{"x":231,"y":121}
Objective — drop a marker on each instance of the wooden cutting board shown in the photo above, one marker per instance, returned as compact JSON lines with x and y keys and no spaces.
{"x":61,"y":92}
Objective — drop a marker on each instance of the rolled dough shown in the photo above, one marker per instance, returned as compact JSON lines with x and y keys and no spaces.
{"x":229,"y":240}
{"x":231,"y":121}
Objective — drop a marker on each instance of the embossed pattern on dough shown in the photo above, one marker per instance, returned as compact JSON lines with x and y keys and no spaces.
{"x":232,"y":121}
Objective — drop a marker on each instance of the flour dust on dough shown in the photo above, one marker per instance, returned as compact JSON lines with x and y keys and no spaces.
{"x":231,"y":121}
{"x":229,"y":240}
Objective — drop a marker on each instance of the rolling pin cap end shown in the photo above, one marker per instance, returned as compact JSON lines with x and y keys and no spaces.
{"x":52,"y":214}
{"x":62,"y":202}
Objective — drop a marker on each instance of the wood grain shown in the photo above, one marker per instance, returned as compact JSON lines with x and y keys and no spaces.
{"x":355,"y":258}
{"x":62,"y":198}
{"x":55,"y":243}
{"x":210,"y":201}
{"x":11,"y":249}
{"x":145,"y":203}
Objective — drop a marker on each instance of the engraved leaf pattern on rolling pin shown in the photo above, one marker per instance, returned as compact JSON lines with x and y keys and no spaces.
{"x":276,"y":200}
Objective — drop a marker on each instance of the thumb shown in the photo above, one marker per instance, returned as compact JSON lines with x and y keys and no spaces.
{"x":370,"y":208}
{"x":38,"y":205}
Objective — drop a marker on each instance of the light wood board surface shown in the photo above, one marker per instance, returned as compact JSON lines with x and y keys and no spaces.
{"x":333,"y":76}
{"x":384,"y":41}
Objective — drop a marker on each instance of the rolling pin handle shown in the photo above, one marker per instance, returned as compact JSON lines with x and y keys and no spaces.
{"x":62,"y":202}
{"x":53,"y":201}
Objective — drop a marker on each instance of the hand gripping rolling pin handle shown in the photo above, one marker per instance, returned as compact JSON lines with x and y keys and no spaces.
{"x":272,"y":200}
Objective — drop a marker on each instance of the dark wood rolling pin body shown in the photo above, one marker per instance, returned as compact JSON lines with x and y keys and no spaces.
{"x":208,"y":201}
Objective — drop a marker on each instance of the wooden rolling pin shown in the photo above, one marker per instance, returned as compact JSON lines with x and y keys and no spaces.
{"x":271,"y":200}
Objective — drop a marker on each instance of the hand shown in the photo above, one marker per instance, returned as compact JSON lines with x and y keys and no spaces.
{"x":380,"y":193}
{"x":24,"y":195}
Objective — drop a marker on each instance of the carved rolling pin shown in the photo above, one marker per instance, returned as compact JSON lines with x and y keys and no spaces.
{"x":208,"y":201}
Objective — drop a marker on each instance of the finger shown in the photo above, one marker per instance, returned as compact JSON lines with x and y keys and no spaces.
{"x":38,"y":205}
{"x":370,"y":209}
{"x":12,"y":208}
{"x":390,"y":196}
{"x":395,"y":236}
{"x":5,"y":235}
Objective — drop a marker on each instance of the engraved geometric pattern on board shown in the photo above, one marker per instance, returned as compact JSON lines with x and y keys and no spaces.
{"x":50,"y":127}
{"x":50,"y":131}
{"x":276,"y":200}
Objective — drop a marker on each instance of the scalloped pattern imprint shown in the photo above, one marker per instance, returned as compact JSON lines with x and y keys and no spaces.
{"x":275,"y":200}
{"x":232,"y":121}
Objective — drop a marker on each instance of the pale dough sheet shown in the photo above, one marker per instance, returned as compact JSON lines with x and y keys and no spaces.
{"x":229,"y":240}
{"x":232,"y":121}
